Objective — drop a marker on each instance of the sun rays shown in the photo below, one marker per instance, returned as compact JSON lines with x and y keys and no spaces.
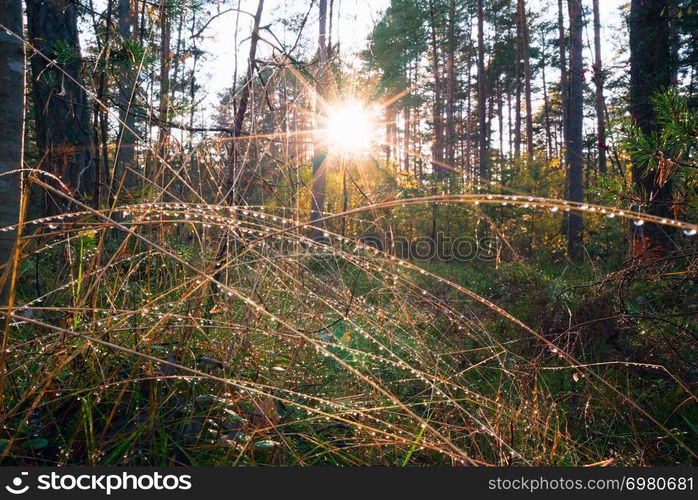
{"x":349,"y":127}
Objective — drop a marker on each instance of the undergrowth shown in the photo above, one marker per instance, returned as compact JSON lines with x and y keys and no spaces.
{"x":132,"y":342}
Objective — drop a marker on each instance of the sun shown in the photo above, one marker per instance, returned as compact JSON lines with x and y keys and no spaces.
{"x":349,"y":127}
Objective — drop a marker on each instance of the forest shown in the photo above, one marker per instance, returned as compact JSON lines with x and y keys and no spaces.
{"x":349,"y":233}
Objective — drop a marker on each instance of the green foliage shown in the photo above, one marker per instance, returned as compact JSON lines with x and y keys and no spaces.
{"x":134,"y":54}
{"x":672,"y":148}
{"x":64,"y":54}
{"x":398,"y":39}
{"x":669,"y":151}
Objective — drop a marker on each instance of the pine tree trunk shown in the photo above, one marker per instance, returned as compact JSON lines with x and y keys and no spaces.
{"x":500,"y":117}
{"x":599,"y":100}
{"x":483,"y":153}
{"x":11,"y":131}
{"x":510,"y":131}
{"x":525,"y":53}
{"x":126,"y":151}
{"x":101,"y":118}
{"x":451,"y":86}
{"x":437,"y":143}
{"x":650,"y":72}
{"x":407,"y":127}
{"x":319,"y":181}
{"x":164,"y":81}
{"x":564,"y":83}
{"x":469,"y":122}
{"x":62,"y":113}
{"x":575,"y":169}
{"x":546,"y":113}
{"x":517,"y":89}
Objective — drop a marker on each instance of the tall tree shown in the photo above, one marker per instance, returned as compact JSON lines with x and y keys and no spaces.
{"x":651,"y":70}
{"x":517,"y":86}
{"x":437,"y":142}
{"x":599,"y":100}
{"x":575,"y":167}
{"x":11,"y":129}
{"x":397,"y":43}
{"x":564,"y":80}
{"x":483,"y":152}
{"x":526,"y":57}
{"x":451,"y":86}
{"x":546,"y":101}
{"x":232,"y":194}
{"x":100,"y":138}
{"x":61,"y":109}
{"x":127,"y":90}
{"x":164,"y":80}
{"x":319,"y":181}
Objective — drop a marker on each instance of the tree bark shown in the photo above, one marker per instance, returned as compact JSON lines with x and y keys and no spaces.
{"x":319,"y":181}
{"x":62,"y":113}
{"x":546,"y":111}
{"x":437,"y":143}
{"x":517,"y":88}
{"x":126,"y":151}
{"x":11,"y":131}
{"x":101,"y":116}
{"x":407,"y":126}
{"x":651,"y":71}
{"x":451,"y":86}
{"x":575,"y":168}
{"x":525,"y":55}
{"x":164,"y":81}
{"x":483,"y":152}
{"x":599,"y":100}
{"x":564,"y":81}
{"x":469,"y":122}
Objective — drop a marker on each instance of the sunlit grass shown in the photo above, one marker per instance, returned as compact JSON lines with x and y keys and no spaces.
{"x":301,"y":351}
